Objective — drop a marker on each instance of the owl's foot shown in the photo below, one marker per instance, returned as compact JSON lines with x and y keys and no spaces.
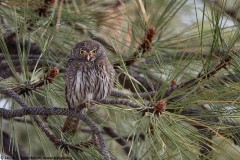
{"x":88,"y":104}
{"x":66,"y":147}
{"x":63,"y":146}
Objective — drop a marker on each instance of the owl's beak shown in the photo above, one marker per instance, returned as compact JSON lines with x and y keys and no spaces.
{"x":88,"y":56}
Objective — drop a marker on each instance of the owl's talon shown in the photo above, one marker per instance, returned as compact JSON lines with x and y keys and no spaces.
{"x":88,"y":104}
{"x":63,"y":146}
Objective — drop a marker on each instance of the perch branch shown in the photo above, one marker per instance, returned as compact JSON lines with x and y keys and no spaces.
{"x":59,"y":143}
{"x":28,"y":121}
{"x":58,"y":111}
{"x":34,"y":111}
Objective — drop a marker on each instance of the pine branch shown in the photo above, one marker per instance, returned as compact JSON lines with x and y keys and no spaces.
{"x":48,"y":79}
{"x":106,"y":130}
{"x":128,"y":84}
{"x":35,"y":111}
{"x":56,"y":111}
{"x":121,"y":102}
{"x":192,"y":82}
{"x":59,"y":143}
{"x":144,"y":95}
{"x":122,"y":141}
{"x":26,"y":121}
{"x":173,"y":87}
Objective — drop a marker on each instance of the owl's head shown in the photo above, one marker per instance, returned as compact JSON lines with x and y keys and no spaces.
{"x":88,"y":50}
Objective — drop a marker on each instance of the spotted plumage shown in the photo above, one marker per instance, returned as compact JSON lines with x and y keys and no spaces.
{"x":89,"y":77}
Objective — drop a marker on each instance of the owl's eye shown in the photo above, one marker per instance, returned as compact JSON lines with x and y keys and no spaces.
{"x":81,"y":52}
{"x":94,"y":51}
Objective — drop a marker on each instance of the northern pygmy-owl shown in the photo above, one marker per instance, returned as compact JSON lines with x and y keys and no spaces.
{"x":89,"y":77}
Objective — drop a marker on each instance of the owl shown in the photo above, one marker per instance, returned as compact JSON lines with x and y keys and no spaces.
{"x":89,"y":77}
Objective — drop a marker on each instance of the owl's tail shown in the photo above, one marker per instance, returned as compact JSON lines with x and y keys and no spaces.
{"x":71,"y":124}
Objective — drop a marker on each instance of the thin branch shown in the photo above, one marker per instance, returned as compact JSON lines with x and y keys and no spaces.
{"x":57,"y":111}
{"x":28,"y":121}
{"x":123,"y":142}
{"x":27,"y":110}
{"x":143,"y":83}
{"x":200,"y":77}
{"x":121,"y":102}
{"x":32,"y":62}
{"x":144,"y":95}
{"x":106,"y":130}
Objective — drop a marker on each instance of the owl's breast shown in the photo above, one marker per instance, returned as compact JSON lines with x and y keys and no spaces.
{"x":90,"y":84}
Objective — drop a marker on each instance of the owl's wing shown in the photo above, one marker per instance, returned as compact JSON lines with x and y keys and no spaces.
{"x":111,"y":72}
{"x":106,"y":64}
{"x":109,"y":69}
{"x":70,"y":77}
